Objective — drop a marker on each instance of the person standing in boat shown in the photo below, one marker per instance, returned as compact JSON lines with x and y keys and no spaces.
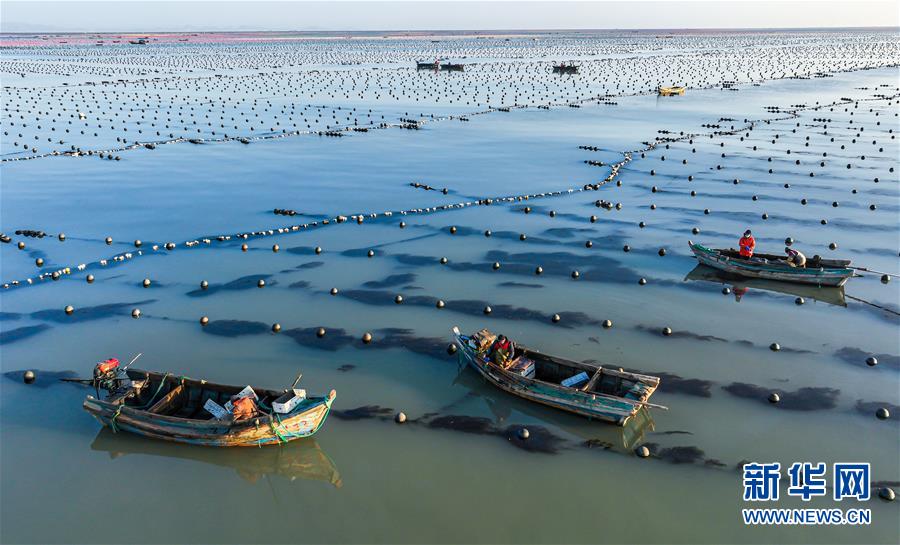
{"x":795,"y":258}
{"x":501,"y":350}
{"x":747,"y":244}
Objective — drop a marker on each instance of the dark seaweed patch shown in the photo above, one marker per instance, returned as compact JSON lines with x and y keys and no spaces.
{"x":334,"y":339}
{"x":346,"y":367}
{"x":20,"y":333}
{"x":42,"y":379}
{"x":680,"y":334}
{"x":868,"y":408}
{"x":242,"y":283}
{"x":84,"y":314}
{"x":670,"y":382}
{"x":310,"y":265}
{"x":300,"y":284}
{"x":235,"y":328}
{"x":518,"y":285}
{"x":804,"y":399}
{"x":856,"y":356}
{"x":10,"y":316}
{"x":677,"y":455}
{"x":391,"y":281}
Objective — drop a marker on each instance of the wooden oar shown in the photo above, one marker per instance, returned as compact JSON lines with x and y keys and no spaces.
{"x":876,"y":272}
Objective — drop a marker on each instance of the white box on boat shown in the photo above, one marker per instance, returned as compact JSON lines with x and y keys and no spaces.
{"x":289,"y":401}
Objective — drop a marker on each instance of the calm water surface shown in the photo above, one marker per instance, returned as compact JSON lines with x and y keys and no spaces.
{"x":363,"y":478}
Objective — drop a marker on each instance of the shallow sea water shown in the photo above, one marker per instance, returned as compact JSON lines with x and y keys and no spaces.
{"x":363,"y":478}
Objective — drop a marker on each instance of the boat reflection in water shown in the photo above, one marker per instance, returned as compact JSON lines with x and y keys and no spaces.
{"x":301,"y":459}
{"x":740,"y":286}
{"x":592,"y":432}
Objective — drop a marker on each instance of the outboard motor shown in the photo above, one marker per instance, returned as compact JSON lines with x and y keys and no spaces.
{"x":106,"y":375}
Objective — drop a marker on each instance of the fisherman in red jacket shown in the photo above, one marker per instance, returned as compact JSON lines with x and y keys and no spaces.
{"x":746,"y":245}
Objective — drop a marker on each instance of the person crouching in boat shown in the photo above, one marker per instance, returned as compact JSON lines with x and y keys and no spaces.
{"x":242,"y":408}
{"x":795,"y":258}
{"x":746,"y":245}
{"x":500,"y":351}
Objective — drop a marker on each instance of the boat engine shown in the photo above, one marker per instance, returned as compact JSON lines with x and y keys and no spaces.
{"x":107,"y":376}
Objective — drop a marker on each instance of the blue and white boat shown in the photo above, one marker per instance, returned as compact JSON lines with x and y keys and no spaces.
{"x":607,"y":394}
{"x":819,"y":272}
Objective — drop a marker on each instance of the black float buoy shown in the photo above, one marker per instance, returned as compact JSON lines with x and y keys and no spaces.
{"x":439,"y":304}
{"x":261,"y":283}
{"x":204,"y":320}
{"x":318,"y":250}
{"x":138,"y":243}
{"x":667,"y":331}
{"x":320,"y":332}
{"x":662,"y":252}
{"x":370,"y":253}
{"x":204,"y":284}
{"x":607,"y":324}
{"x":885,"y":278}
{"x":642,"y":282}
{"x":451,"y":349}
{"x":333,"y":291}
{"x":626,"y":248}
{"x":589,"y":244}
{"x":367,"y":337}
{"x":136,"y":313}
{"x":69,"y":309}
{"x":90,"y":279}
{"x":39,"y":262}
{"x":538,"y":270}
{"x":774,"y":398}
{"x":882,"y":413}
{"x":799,"y":301}
{"x":871,"y":361}
{"x":398,"y":299}
{"x":28,"y":377}
{"x":400,"y":417}
{"x":108,"y":241}
{"x":276,"y":327}
{"x":555,"y":318}
{"x":523,"y":434}
{"x":275,"y":248}
{"x":575,"y":275}
{"x":487,"y":310}
{"x":886,"y":493}
{"x":642,"y":451}
{"x":774,"y":347}
{"x":244,"y":247}
{"x":496,"y":265}
{"x":443,"y":261}
{"x":726,"y":290}
{"x":61,"y":237}
{"x":487,"y":232}
{"x":146,"y":283}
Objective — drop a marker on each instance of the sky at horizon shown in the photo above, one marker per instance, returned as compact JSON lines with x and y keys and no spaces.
{"x":162,"y":15}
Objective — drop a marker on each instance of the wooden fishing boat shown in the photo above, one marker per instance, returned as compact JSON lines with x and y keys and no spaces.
{"x":565,"y":68}
{"x":165,"y":406}
{"x":819,"y":272}
{"x":671,"y":91}
{"x":826,"y":294}
{"x":300,"y":460}
{"x":501,"y":405}
{"x":611,"y":395}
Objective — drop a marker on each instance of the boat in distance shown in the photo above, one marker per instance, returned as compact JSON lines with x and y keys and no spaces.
{"x":174,"y":408}
{"x":610,"y":395}
{"x":818,"y":271}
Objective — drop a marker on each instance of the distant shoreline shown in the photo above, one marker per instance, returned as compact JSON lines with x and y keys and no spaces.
{"x":446,"y":33}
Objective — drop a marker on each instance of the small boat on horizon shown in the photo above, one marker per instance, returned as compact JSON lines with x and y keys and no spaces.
{"x":671,"y":91}
{"x":607,"y":394}
{"x":818,"y":271}
{"x":176,"y":408}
